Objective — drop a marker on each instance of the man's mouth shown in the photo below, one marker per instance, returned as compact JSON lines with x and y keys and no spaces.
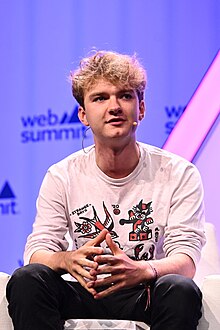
{"x":115,"y":120}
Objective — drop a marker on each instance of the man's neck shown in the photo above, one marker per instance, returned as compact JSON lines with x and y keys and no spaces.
{"x":117,"y":162}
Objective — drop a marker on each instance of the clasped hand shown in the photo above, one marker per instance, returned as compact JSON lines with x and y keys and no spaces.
{"x":120,"y":271}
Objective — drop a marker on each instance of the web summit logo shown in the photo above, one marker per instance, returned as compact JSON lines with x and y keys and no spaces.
{"x":51,"y":127}
{"x":8,"y":204}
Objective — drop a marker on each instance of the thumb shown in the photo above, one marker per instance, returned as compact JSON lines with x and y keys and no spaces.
{"x":112,"y":245}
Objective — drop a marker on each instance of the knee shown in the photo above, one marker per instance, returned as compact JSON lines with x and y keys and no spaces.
{"x":176,"y":300}
{"x":28,"y":272}
{"x":179,"y":287}
{"x":26,"y":278}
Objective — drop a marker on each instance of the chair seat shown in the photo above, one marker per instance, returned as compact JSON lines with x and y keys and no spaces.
{"x":97,"y":324}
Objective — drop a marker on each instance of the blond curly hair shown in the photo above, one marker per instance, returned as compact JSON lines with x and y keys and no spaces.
{"x":116,"y":68}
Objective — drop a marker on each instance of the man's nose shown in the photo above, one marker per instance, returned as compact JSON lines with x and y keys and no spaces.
{"x":114,"y":106}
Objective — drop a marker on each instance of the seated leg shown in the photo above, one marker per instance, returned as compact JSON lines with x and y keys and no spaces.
{"x":39,"y":298}
{"x":175,"y":304}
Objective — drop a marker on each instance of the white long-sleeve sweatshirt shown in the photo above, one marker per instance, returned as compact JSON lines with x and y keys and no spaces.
{"x":155,"y":211}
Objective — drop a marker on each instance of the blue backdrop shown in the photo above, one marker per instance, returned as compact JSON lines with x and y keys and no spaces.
{"x":42,"y":40}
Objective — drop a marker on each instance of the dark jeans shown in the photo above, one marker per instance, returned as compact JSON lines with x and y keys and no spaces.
{"x":39,"y":299}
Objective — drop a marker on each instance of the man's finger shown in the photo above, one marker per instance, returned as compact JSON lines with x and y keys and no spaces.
{"x":98,"y":239}
{"x":82,"y":281}
{"x":113,"y":288}
{"x":112,"y":245}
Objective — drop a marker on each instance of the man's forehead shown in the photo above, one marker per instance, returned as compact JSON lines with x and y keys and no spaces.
{"x":103,"y":84}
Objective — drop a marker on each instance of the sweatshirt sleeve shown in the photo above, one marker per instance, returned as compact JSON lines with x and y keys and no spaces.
{"x":51,"y":222}
{"x":184,"y":232}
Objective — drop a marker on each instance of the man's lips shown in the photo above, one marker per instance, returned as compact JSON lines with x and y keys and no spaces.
{"x":115,"y":120}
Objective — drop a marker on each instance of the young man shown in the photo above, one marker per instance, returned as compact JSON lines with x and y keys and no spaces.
{"x":134,"y":213}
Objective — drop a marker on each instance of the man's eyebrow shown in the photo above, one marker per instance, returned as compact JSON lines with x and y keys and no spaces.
{"x":97,"y":93}
{"x":101,"y":92}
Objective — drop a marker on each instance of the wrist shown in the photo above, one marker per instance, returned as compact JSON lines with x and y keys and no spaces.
{"x":154,"y":273}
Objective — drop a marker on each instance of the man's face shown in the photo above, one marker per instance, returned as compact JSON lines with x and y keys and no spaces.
{"x":111,"y":110}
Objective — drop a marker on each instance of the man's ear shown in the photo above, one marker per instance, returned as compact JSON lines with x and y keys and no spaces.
{"x":141,"y":110}
{"x":82,"y":116}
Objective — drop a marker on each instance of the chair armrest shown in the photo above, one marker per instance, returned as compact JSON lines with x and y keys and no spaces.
{"x":211,"y":303}
{"x":210,"y":257}
{"x":5,"y":320}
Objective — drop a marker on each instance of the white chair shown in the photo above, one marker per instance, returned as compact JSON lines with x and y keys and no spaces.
{"x":5,"y":320}
{"x":207,"y":277}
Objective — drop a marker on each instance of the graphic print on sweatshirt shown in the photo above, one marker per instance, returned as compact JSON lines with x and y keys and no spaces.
{"x":138,"y":216}
{"x":138,"y":219}
{"x":90,"y":228}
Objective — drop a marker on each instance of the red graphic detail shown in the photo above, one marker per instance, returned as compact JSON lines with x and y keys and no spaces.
{"x":138,"y":216}
{"x":97,"y":224}
{"x":86,"y":227}
{"x":146,"y":255}
{"x":116,"y":211}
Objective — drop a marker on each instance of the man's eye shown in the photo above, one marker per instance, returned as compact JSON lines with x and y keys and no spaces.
{"x":99,"y":99}
{"x":127,"y":96}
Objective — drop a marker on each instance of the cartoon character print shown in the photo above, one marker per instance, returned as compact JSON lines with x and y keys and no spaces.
{"x":138,"y":217}
{"x":90,"y":228}
{"x":146,"y":255}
